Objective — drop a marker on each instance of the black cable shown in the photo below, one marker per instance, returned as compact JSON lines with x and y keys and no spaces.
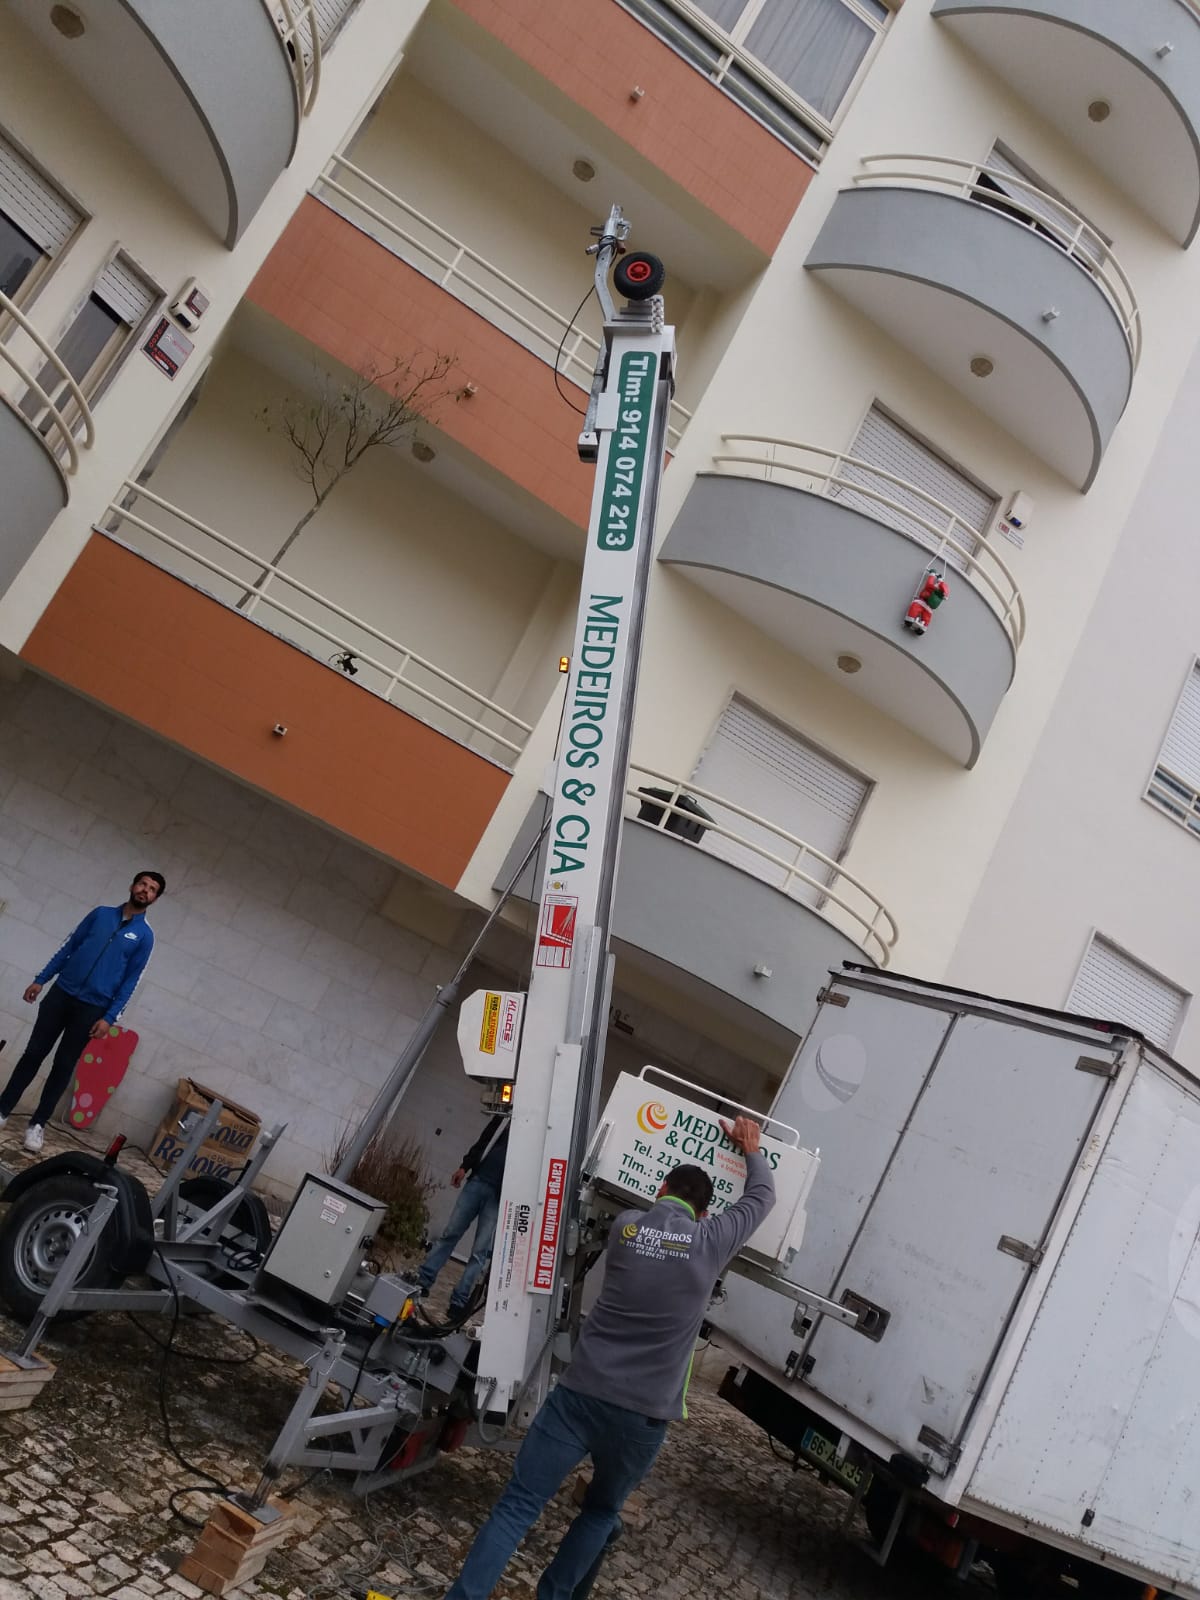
{"x":562,"y":343}
{"x":210,"y":1484}
{"x":196,"y":1355}
{"x":298,"y":1488}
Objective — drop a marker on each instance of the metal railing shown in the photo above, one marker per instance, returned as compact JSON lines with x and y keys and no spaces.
{"x":795,"y":867}
{"x":950,"y":538}
{"x":468,"y":276}
{"x":393,"y":669}
{"x":300,"y":29}
{"x":1076,"y":238}
{"x":52,"y":417}
{"x":1179,"y":798}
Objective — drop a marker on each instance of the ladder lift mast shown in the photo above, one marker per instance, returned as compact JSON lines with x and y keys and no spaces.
{"x":562,"y":1044}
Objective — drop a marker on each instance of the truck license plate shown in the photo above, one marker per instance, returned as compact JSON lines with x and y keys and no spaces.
{"x":816,"y":1446}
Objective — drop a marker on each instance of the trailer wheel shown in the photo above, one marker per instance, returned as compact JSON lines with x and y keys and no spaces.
{"x":639,"y":276}
{"x":41,"y":1226}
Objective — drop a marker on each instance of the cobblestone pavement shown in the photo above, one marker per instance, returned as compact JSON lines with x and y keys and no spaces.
{"x":86,"y":1480}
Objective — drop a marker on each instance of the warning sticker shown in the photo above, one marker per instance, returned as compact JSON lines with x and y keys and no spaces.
{"x":332,"y":1203}
{"x":510,"y":1021}
{"x":491,"y":1023}
{"x":556,"y":935}
{"x":547,"y":1245}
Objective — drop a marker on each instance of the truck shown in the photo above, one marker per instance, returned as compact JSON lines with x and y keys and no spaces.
{"x":1009,"y":1199}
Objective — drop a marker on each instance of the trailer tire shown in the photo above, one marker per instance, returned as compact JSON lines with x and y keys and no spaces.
{"x":41,"y":1226}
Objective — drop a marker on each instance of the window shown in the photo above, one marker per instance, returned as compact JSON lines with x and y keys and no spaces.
{"x":883,"y":442}
{"x":1175,"y":785}
{"x":36,"y":222}
{"x":1113,"y":987}
{"x":1059,"y":222}
{"x":94,"y":341}
{"x":790,"y":63}
{"x":765,"y":768}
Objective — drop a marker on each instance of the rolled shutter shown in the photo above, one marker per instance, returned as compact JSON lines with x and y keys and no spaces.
{"x":767,"y":769}
{"x":125,"y":292}
{"x":883,"y":443}
{"x":1064,"y":219}
{"x":1112,"y":987}
{"x":33,"y":203}
{"x":1181,"y":748}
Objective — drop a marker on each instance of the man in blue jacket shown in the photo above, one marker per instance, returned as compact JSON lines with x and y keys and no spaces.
{"x":96,"y":972}
{"x":629,"y":1375}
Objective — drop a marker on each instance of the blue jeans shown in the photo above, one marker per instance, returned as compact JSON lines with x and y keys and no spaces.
{"x":478,"y":1203}
{"x":570,"y":1426}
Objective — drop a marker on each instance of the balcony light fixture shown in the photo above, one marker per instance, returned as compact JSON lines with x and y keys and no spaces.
{"x":1100,"y":111}
{"x":982,"y":366}
{"x":583,"y":170}
{"x":849,"y":663}
{"x":67,"y":21}
{"x":422,"y":452}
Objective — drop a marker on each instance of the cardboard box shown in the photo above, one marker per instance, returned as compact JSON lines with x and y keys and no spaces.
{"x":227,"y":1148}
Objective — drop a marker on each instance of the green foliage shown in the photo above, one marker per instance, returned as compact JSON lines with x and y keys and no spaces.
{"x":393,"y":1171}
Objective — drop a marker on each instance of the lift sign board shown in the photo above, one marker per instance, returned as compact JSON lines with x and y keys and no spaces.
{"x":650,"y":1131}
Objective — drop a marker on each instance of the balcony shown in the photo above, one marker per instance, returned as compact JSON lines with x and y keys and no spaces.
{"x":998,"y":288}
{"x":823,"y":553}
{"x":38,"y":445}
{"x":211,"y":95}
{"x":1121,"y":82}
{"x":316,"y":623}
{"x":551,"y":335}
{"x":785,"y":907}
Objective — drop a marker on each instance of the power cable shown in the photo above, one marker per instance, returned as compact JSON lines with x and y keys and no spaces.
{"x":562,"y":395}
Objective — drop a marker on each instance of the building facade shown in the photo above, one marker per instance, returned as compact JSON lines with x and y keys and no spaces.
{"x":970,"y":366}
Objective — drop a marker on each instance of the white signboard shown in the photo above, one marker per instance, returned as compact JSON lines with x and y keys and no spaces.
{"x":648,"y":1128}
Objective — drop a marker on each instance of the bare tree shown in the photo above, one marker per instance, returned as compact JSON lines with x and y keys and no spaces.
{"x":332,"y":429}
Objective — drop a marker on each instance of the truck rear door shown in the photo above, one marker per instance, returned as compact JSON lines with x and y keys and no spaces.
{"x":945,"y":1243}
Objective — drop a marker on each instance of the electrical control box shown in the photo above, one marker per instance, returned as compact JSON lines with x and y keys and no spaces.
{"x":319,"y":1247}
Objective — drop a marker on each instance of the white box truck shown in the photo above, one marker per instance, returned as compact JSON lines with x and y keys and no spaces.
{"x":1010,"y":1198}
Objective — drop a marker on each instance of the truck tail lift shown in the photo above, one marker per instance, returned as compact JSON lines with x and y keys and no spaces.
{"x":82,"y":1234}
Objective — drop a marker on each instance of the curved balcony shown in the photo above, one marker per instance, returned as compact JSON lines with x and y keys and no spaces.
{"x":707,"y":892}
{"x":38,"y":446}
{"x":212,"y":95}
{"x":1009,"y":296}
{"x":823,"y":552}
{"x":1120,"y":81}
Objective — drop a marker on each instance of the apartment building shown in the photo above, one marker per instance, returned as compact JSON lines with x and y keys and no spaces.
{"x":929,"y":264}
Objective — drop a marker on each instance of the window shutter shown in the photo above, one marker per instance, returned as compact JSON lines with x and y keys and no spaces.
{"x":1064,"y":218}
{"x":125,"y":292}
{"x":33,"y":203}
{"x":764,"y":767}
{"x":883,"y":443}
{"x":1112,"y":987}
{"x":330,"y":14}
{"x":1181,"y":748}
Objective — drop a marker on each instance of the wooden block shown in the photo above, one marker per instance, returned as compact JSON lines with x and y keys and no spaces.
{"x":233,"y":1547}
{"x":20,"y":1386}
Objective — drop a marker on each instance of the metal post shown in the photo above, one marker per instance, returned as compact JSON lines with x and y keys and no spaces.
{"x":410,"y":1059}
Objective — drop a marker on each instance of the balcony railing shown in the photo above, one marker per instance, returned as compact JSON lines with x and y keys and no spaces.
{"x":388,"y":668}
{"x":471,"y":278}
{"x":786,"y":863}
{"x":1031,"y":207}
{"x":49,"y":419}
{"x":300,"y":29}
{"x":924,"y":519}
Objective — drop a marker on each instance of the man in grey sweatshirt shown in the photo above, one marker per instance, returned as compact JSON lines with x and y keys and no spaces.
{"x":629,"y":1373}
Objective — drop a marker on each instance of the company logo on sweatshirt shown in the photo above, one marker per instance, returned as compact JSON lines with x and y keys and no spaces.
{"x":629,"y":1231}
{"x":652,"y":1116}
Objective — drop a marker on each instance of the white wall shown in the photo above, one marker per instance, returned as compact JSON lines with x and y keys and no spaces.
{"x":274,"y":977}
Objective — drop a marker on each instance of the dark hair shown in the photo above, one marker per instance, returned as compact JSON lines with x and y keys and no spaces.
{"x":157,"y":877}
{"x":692,"y":1184}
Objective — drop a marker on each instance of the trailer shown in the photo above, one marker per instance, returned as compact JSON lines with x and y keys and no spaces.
{"x":1009,"y":1199}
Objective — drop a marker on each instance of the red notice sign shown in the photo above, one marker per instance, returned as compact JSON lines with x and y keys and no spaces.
{"x":556,"y":933}
{"x":547,"y":1246}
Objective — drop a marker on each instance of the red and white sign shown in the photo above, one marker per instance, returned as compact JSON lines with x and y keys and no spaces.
{"x":556,"y":935}
{"x":547,"y":1245}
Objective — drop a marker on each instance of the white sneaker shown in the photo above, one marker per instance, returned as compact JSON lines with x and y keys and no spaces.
{"x":35,"y":1137}
{"x":3,"y":1120}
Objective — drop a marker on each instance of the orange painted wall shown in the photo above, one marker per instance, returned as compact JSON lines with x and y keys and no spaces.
{"x":595,"y":52}
{"x":216,"y":683}
{"x":357,"y":302}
